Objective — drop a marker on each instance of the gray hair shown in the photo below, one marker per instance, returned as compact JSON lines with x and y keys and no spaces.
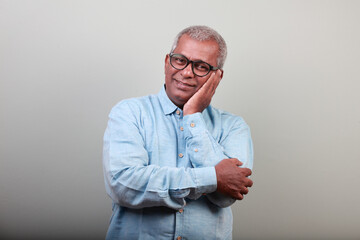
{"x":204,"y":33}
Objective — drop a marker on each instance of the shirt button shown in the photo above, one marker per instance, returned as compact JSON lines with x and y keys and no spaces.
{"x":181,"y":155}
{"x":178,"y":238}
{"x":181,"y":210}
{"x":181,"y":128}
{"x":192,"y":124}
{"x":196,"y":150}
{"x":177,"y":112}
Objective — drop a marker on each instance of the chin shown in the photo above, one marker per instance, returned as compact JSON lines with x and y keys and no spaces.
{"x":180,"y":100}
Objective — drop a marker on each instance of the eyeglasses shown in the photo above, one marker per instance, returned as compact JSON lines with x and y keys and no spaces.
{"x":199,"y":68}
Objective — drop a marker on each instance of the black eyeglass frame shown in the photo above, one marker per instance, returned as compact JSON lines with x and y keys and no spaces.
{"x":211,"y":68}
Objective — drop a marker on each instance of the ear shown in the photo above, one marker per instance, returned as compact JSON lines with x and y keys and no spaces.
{"x":166,"y":62}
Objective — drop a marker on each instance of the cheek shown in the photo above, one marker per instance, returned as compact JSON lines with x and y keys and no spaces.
{"x":170,"y":73}
{"x":168,"y":70}
{"x":202,"y":81}
{"x":167,"y":75}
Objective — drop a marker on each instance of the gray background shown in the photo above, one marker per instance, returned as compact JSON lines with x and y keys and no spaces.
{"x":292,"y":72}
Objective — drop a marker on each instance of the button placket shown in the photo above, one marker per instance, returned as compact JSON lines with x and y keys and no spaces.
{"x":181,"y":140}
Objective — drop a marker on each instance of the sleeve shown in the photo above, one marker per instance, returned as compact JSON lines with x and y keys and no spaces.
{"x":129,"y":179}
{"x":205,"y":151}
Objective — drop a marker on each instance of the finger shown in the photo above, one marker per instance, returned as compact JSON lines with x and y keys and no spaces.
{"x":239,"y":163}
{"x":211,"y":79}
{"x":216,"y":81}
{"x":249,"y":183}
{"x":221,"y":73}
{"x":244,"y":191}
{"x":207,"y":87}
{"x":239,"y":196}
{"x":247,"y":171}
{"x":217,"y":77}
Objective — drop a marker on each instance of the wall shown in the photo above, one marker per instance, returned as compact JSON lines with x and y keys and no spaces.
{"x":292,"y":72}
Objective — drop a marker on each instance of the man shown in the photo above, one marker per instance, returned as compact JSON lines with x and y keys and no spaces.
{"x":171,"y":161}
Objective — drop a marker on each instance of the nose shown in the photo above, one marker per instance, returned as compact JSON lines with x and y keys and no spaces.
{"x":187,"y":72}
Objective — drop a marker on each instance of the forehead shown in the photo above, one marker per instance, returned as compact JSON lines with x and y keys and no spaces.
{"x":206,"y":51}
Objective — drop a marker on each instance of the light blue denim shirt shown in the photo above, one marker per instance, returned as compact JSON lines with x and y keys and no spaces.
{"x":159,"y":169}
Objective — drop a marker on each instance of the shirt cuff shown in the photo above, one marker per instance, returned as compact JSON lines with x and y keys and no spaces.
{"x":194,"y":124}
{"x":205,"y":178}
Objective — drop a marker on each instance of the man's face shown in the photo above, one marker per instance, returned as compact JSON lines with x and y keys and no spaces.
{"x":181,"y":85}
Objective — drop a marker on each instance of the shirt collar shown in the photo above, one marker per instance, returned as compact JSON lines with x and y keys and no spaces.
{"x":167,"y":105}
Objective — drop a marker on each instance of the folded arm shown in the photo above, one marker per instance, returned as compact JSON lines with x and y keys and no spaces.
{"x":204,"y":151}
{"x":132,"y":182}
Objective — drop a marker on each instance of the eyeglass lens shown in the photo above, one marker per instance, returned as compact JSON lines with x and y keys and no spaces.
{"x":180,"y":62}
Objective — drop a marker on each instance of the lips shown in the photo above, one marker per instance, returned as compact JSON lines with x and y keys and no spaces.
{"x":183,"y":85}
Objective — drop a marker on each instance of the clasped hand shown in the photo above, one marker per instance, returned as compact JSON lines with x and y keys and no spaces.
{"x":231,"y":179}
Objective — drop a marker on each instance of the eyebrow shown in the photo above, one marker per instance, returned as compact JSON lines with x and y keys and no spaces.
{"x":196,"y":60}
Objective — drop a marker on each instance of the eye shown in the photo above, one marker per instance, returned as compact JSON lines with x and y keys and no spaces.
{"x":201,"y":66}
{"x":179,"y":60}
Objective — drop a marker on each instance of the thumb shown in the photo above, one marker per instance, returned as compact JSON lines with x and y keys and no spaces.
{"x":236,"y":161}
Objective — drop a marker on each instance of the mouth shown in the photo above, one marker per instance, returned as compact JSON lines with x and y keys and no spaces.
{"x":183,"y":86}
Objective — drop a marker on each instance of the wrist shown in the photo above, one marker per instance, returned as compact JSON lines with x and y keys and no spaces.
{"x":188,"y":111}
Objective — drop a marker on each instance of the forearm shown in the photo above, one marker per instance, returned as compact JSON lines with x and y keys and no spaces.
{"x":205,"y":150}
{"x":139,"y":187}
{"x":133,"y":182}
